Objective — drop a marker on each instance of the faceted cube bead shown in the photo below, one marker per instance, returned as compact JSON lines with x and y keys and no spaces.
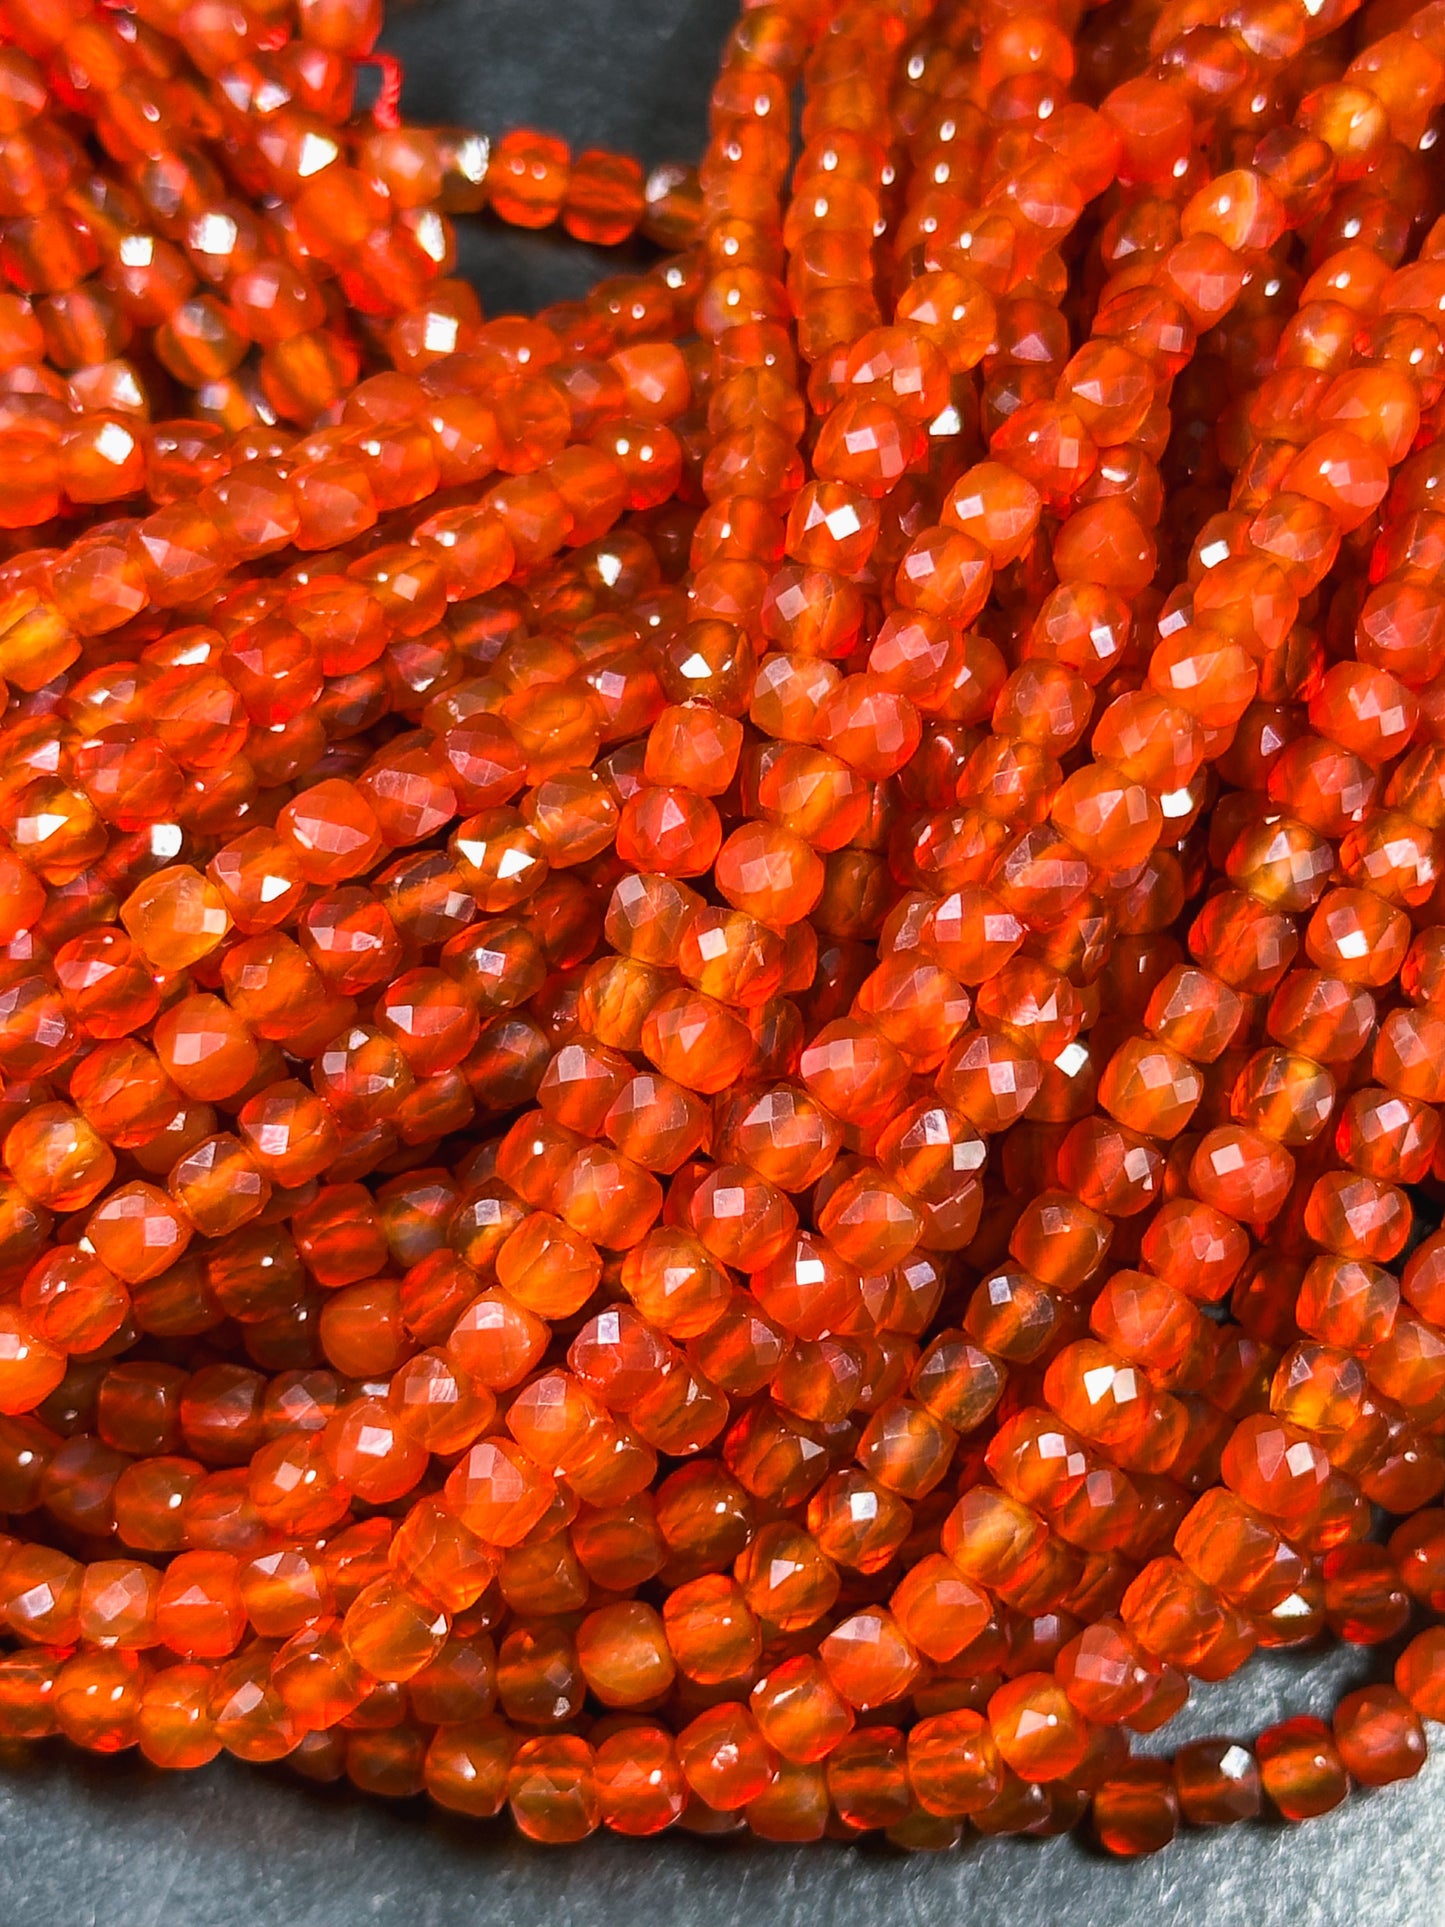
{"x":606,"y":1197}
{"x":724,"y":1757}
{"x":72,"y":1300}
{"x":176,"y":917}
{"x":1218,"y":1783}
{"x":1301,"y":1769}
{"x":332,"y":830}
{"x":1358,"y":1217}
{"x":1181,"y":1621}
{"x":799,"y":1712}
{"x":1364,"y":1600}
{"x":640,"y":1787}
{"x":1151,"y":1088}
{"x":696,"y":1041}
{"x":869,"y":1659}
{"x":1136,"y":1811}
{"x":289,"y":1131}
{"x":1241,"y":1173}
{"x":1277,"y":1468}
{"x":1420,"y":1673}
{"x":1106,"y":1675}
{"x":938,"y":1609}
{"x":58,"y":1158}
{"x":498,"y":1492}
{"x":30,"y":1368}
{"x":1036,"y":1730}
{"x":547,"y":1268}
{"x":205,"y":1048}
{"x":953,"y":1763}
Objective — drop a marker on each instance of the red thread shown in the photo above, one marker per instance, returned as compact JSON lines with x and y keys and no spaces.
{"x":386,"y":110}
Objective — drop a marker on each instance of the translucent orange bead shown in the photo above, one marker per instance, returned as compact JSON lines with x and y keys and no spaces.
{"x":724,"y":1757}
{"x":498,"y":1492}
{"x":954,"y":1765}
{"x":711,"y":1631}
{"x":58,"y":1158}
{"x":173,"y":1724}
{"x":1035,"y":1728}
{"x":176,"y":917}
{"x":1301,"y":1769}
{"x":30,"y":1368}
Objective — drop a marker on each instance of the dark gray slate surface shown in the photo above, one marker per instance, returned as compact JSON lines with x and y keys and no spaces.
{"x":114,"y":1844}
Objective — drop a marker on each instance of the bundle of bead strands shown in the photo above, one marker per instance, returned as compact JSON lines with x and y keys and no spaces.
{"x":723,"y":1015}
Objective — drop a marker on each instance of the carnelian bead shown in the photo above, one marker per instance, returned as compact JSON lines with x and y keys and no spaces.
{"x":711,"y":1631}
{"x":724,"y":1757}
{"x":695,"y":1041}
{"x":173,"y":1724}
{"x":800,"y":1714}
{"x":498,"y":1492}
{"x":869,"y":1659}
{"x":290,"y":1133}
{"x":97,"y":1700}
{"x":1301,"y":1768}
{"x":1418,"y":1673}
{"x":205,"y":1048}
{"x":1218,"y":1783}
{"x":389,"y":1633}
{"x":624,"y":1655}
{"x":199,"y":1612}
{"x":1136,"y":1810}
{"x":30,"y":1368}
{"x":332,"y":831}
{"x":1379,"y":1736}
{"x":467,"y":1764}
{"x":868,"y":1779}
{"x":1036,"y":1730}
{"x":176,"y":917}
{"x":58,"y":1158}
{"x":640,"y":1787}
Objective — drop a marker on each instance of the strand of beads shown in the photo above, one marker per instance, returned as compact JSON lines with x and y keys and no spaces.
{"x":530,"y":891}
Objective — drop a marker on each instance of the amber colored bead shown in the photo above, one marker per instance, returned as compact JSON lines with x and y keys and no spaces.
{"x":498,"y":1492}
{"x":467,"y":1764}
{"x":199,"y":1612}
{"x":174,"y":1725}
{"x":1137,"y":1810}
{"x":696,"y":1041}
{"x":724,"y":1757}
{"x":868,"y":1778}
{"x":205,"y":1048}
{"x":711,"y":1631}
{"x":496,"y":1340}
{"x":97,"y":1700}
{"x":74,"y":1301}
{"x":640,"y":1787}
{"x":1218,"y":1783}
{"x":289,"y":1132}
{"x":1036,"y":1730}
{"x":1420,"y":1670}
{"x":624,"y":1655}
{"x":1379,"y":1736}
{"x":391,"y":1634}
{"x":869,"y":1659}
{"x":316,"y":1678}
{"x":175,"y":917}
{"x":1364,"y":1600}
{"x":1301,"y":1768}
